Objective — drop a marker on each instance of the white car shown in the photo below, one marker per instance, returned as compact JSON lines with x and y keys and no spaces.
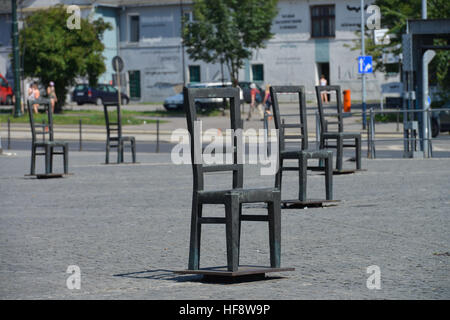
{"x":176,"y":102}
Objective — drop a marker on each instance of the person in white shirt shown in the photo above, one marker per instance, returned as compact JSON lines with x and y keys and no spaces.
{"x":323,"y":95}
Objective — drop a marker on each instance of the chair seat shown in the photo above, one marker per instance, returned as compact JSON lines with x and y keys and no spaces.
{"x":309,"y":154}
{"x":245,"y":195}
{"x":52,"y":143}
{"x":123,"y":138}
{"x":344,"y":135}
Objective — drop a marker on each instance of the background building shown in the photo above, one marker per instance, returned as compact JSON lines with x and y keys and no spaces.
{"x":312,"y":37}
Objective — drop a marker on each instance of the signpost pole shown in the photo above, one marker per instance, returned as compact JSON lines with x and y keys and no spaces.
{"x":118,"y":84}
{"x":363,"y":75}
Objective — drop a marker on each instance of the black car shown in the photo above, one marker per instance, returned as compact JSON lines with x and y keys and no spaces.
{"x":440,"y":121}
{"x":99,"y":95}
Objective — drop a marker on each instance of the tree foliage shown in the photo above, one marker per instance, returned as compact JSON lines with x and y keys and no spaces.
{"x":394,"y":14}
{"x":227,"y":31}
{"x":53,"y":52}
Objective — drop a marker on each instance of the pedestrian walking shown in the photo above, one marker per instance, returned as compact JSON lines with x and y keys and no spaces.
{"x":52,"y":95}
{"x":256,"y":102}
{"x":267,"y":102}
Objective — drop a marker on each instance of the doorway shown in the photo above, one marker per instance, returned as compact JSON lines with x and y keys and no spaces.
{"x":323,"y":68}
{"x":135,"y":84}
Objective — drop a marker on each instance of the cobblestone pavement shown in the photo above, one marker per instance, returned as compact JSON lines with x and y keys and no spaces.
{"x":127,"y":228}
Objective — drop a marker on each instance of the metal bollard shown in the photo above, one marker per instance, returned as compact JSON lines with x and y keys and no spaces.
{"x":81,"y":137}
{"x":157,"y":135}
{"x":429,"y":137}
{"x":266,"y":129}
{"x":317,"y":130}
{"x":369,"y":142}
{"x":9,"y":133}
{"x":371,"y":154}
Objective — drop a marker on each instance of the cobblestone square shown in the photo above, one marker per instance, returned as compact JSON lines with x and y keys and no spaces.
{"x":127,"y":228}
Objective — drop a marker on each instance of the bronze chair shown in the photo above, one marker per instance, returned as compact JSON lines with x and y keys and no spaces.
{"x":48,"y":145}
{"x":302,"y":152}
{"x":339,"y":135}
{"x":114,"y":137}
{"x":232,"y":198}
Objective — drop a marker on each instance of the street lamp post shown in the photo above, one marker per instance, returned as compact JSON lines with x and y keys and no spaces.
{"x":15,"y":43}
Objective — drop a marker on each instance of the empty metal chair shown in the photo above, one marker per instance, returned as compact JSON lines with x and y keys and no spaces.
{"x":114,"y":137}
{"x":48,"y":145}
{"x":301,"y":152}
{"x":232,"y":198}
{"x":339,"y":135}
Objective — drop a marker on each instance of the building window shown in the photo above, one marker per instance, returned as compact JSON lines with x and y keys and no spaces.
{"x":188,"y":16}
{"x":134,"y":28}
{"x":322,"y":21}
{"x":258,"y":72}
{"x":194,"y":74}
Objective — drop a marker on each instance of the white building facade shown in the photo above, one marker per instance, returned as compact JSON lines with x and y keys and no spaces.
{"x":312,"y":37}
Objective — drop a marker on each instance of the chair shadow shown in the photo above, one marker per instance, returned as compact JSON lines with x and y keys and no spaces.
{"x":169,"y":275}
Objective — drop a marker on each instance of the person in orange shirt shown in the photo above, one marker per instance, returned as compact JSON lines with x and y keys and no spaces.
{"x":34,"y":94}
{"x":256,"y":102}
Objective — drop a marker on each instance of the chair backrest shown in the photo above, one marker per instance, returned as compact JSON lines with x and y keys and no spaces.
{"x":279,"y":118}
{"x":116,"y":125}
{"x":324,"y":123}
{"x":47,"y":127}
{"x":199,"y":169}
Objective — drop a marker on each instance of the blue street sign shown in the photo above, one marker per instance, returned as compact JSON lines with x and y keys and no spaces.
{"x":365,"y":64}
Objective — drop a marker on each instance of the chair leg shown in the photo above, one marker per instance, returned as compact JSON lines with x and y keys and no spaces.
{"x":329,"y":177}
{"x":239,"y":232}
{"x":358,"y":152}
{"x":274,"y":211}
{"x":51,"y":159}
{"x":66,"y":158}
{"x":119,"y":151}
{"x":302,"y":177}
{"x":47,"y":159}
{"x":107,"y":152}
{"x":321,"y":146}
{"x":339,"y":153}
{"x":122,"y":156}
{"x":33,"y":160}
{"x":133,"y":150}
{"x":279,"y":176}
{"x":194,"y":247}
{"x":232,"y":231}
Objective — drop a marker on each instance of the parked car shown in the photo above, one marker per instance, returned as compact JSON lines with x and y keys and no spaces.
{"x":245,"y":87}
{"x":176,"y":102}
{"x":440,"y":120}
{"x":99,"y":95}
{"x":6,"y":92}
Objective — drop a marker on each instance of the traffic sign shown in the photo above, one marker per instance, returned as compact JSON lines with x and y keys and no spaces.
{"x":117,"y":64}
{"x":365,"y":64}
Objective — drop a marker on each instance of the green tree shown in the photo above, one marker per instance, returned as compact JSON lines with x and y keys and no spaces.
{"x":53,"y":52}
{"x":227,"y":31}
{"x":394,"y":14}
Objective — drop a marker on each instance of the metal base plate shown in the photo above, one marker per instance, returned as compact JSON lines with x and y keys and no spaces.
{"x":242,"y":271}
{"x":49,"y":175}
{"x":117,"y":163}
{"x":297,"y":204}
{"x":335,"y":171}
